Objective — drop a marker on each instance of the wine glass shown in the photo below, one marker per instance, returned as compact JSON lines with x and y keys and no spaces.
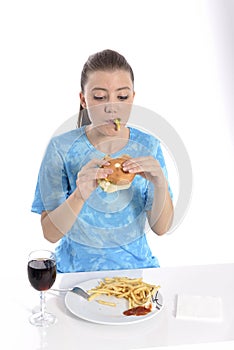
{"x":42,"y":274}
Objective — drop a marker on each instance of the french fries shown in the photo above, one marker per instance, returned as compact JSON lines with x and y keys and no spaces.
{"x":117,"y":123}
{"x":103,"y":302}
{"x":134,"y":290}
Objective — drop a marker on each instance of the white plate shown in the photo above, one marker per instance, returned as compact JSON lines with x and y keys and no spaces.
{"x":98,"y":313}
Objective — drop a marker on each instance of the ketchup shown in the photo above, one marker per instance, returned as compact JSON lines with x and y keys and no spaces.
{"x":138,"y":311}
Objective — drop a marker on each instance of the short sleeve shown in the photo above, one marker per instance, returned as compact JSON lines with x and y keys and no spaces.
{"x":52,"y":187}
{"x":150,"y":188}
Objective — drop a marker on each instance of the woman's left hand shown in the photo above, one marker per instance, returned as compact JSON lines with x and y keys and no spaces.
{"x":148,"y":167}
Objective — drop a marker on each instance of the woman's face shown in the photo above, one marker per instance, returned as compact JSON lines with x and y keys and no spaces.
{"x":108,"y":96}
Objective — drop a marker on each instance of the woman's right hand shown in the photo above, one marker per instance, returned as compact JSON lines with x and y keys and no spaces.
{"x":87,"y":178}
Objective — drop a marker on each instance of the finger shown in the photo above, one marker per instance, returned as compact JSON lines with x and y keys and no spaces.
{"x":103,"y":173}
{"x":93,"y":174}
{"x":133,"y":167}
{"x":141,"y":164}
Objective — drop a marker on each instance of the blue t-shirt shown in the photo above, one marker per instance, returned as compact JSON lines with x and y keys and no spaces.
{"x":109,"y":232}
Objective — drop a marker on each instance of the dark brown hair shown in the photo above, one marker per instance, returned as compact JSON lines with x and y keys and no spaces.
{"x":101,"y":61}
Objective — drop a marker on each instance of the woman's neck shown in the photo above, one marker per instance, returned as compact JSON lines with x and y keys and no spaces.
{"x":107,"y":144}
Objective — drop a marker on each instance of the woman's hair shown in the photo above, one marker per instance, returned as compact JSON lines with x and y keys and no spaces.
{"x":106,"y":60}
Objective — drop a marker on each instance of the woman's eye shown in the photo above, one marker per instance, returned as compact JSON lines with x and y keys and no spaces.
{"x":99,"y":98}
{"x":122,"y":98}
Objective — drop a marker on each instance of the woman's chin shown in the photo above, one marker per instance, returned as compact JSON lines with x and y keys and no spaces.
{"x":109,"y":130}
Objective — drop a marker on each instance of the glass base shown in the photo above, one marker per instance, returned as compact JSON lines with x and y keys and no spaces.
{"x":40,"y":320}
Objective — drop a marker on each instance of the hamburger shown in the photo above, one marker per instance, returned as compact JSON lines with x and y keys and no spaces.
{"x":119,"y":179}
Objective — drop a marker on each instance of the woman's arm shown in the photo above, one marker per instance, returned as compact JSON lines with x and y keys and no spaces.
{"x":161,"y":215}
{"x":56,"y":223}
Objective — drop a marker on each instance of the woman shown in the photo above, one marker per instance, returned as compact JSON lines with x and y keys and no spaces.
{"x":98,"y":230}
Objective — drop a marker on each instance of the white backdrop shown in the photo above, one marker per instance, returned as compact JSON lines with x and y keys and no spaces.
{"x":182,"y":54}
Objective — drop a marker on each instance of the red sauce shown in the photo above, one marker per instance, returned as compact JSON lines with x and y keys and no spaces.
{"x":138,"y":311}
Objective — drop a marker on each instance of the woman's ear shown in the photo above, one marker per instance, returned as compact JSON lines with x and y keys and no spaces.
{"x":82,"y":100}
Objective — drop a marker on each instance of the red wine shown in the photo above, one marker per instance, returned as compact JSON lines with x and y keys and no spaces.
{"x":42,"y":273}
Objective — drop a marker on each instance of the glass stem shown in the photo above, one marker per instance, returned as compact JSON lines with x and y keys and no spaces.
{"x":42,"y":304}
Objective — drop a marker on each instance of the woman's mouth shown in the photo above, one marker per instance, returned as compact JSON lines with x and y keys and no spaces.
{"x":115,"y":123}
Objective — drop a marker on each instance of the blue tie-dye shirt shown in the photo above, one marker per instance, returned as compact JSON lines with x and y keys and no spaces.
{"x":109,"y":232}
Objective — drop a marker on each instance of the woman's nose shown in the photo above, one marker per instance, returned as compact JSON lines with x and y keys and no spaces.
{"x":111,"y":108}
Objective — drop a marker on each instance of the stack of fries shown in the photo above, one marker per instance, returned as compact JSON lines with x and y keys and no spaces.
{"x":136,"y":291}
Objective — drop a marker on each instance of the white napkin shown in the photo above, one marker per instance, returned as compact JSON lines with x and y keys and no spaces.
{"x":201,"y":308}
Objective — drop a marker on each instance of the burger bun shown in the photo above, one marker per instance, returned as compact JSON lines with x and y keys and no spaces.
{"x":119,"y":179}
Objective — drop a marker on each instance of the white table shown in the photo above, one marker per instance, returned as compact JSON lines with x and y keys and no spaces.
{"x":72,"y":333}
